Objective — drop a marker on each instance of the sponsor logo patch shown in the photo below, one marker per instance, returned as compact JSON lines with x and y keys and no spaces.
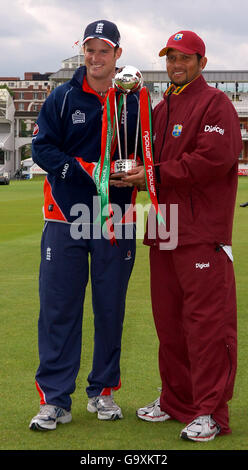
{"x":202,"y":265}
{"x":64,"y":171}
{"x":215,"y":128}
{"x":78,"y":117}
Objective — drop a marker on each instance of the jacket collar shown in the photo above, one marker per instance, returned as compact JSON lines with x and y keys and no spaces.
{"x":78,"y":77}
{"x":193,"y":85}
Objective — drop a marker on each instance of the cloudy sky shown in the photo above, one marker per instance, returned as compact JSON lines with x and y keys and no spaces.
{"x":36,"y":35}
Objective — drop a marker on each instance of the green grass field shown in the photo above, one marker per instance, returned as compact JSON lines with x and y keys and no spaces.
{"x":21,"y":225}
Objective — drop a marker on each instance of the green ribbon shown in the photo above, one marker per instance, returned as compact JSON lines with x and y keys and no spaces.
{"x":108,"y":146}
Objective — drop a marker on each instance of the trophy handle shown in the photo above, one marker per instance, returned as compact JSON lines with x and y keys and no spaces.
{"x":118,"y":129}
{"x":137,"y":131}
{"x":125,"y":123}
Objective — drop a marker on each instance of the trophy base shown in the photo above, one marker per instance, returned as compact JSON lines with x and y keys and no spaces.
{"x":123,"y":166}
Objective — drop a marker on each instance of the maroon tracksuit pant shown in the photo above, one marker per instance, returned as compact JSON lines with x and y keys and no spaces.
{"x":194,"y":306}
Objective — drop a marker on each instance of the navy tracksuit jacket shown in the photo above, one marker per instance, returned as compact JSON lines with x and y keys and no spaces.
{"x":67,"y":138}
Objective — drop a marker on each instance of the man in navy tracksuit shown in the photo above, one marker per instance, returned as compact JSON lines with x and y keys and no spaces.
{"x":67,"y":144}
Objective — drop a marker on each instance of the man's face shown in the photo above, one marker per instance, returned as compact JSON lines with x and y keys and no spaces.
{"x":183,"y":68}
{"x":100,"y":59}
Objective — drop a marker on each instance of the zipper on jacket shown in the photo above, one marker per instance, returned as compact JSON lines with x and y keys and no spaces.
{"x":191,"y":205}
{"x":165,"y":131}
{"x":166,"y":126}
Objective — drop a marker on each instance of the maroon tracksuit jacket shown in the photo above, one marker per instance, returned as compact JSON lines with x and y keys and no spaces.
{"x":197,"y":142}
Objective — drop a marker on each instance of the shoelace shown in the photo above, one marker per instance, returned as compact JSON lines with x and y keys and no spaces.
{"x":154,"y":403}
{"x":203,"y":419}
{"x":108,"y":400}
{"x":47,"y":410}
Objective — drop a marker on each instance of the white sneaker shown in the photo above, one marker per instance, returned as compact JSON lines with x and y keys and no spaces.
{"x":202,"y":429}
{"x":153,"y":412}
{"x":105,"y":407}
{"x":48,"y":417}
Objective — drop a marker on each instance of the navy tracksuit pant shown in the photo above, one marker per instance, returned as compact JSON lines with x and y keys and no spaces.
{"x":64,"y":273}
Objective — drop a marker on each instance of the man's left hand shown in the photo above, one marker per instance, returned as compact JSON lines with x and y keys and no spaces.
{"x":136,"y":177}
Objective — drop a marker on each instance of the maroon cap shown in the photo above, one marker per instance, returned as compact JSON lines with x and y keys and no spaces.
{"x":185,"y":41}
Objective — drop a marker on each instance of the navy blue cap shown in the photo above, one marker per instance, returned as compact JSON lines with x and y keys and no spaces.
{"x":104,"y":30}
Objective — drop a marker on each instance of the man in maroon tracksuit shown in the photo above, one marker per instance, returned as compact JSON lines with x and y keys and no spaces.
{"x":197,"y":142}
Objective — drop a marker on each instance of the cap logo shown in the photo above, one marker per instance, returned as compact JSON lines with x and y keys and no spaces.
{"x":178,"y":37}
{"x":99,"y":28}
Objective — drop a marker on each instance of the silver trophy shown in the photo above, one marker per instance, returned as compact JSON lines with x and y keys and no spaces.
{"x":127,"y":80}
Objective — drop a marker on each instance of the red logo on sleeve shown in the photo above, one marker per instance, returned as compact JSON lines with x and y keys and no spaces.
{"x":36,"y":130}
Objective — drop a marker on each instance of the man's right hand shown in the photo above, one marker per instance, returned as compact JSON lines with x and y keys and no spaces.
{"x":116,"y":179}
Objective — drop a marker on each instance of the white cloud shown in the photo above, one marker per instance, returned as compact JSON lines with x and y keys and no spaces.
{"x":38,"y":35}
